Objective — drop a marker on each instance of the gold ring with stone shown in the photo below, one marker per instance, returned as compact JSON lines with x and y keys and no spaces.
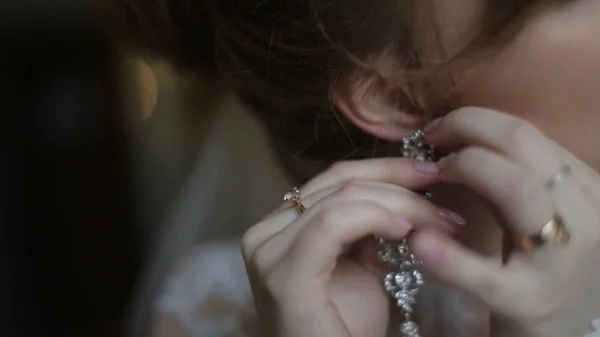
{"x":554,"y":232}
{"x":294,"y":198}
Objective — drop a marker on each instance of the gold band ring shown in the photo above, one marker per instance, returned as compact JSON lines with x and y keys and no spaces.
{"x":554,"y":232}
{"x":294,"y":198}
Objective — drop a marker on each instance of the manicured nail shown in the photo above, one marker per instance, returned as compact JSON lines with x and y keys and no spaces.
{"x":427,"y":167}
{"x":404,"y":224}
{"x":432,"y":125}
{"x":452,"y":217}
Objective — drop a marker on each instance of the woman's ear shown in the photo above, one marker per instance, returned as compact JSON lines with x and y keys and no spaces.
{"x":377,"y":108}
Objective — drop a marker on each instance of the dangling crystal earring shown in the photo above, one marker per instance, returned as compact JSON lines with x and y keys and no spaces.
{"x":404,"y":280}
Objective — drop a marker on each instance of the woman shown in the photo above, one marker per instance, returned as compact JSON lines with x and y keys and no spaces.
{"x":510,"y":87}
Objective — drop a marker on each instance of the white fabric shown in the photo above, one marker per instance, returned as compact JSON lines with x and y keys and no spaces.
{"x":217,"y":271}
{"x":595,"y":328}
{"x":210,"y":271}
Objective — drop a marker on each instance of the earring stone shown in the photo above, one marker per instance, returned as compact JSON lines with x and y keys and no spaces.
{"x":404,"y":280}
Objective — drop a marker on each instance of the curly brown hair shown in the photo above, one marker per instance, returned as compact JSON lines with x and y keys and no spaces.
{"x":284,"y":57}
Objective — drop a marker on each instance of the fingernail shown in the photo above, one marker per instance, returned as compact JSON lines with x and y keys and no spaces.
{"x":432,"y":125}
{"x":403,"y":223}
{"x":427,"y":167}
{"x":452,"y":217}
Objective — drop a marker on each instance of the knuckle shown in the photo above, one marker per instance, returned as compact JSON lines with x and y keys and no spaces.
{"x":330,"y":222}
{"x":326,"y":220}
{"x":249,"y":241}
{"x":457,"y":116}
{"x":350,"y":188}
{"x":416,"y":201}
{"x":521,"y":132}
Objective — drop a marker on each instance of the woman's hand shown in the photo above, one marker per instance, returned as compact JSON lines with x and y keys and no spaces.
{"x":554,"y":290}
{"x":304,"y":280}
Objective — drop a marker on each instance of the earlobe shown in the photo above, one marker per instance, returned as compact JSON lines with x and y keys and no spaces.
{"x":384,"y":112}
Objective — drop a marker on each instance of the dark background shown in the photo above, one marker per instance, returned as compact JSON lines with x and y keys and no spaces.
{"x":68,"y":255}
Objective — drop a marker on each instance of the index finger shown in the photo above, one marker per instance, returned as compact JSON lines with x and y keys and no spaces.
{"x":408,"y":173}
{"x":510,"y":136}
{"x":503,"y":133}
{"x":403,"y":172}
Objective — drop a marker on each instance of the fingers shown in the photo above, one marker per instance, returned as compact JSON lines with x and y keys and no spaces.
{"x":512,"y":137}
{"x":500,"y":132}
{"x":474,"y":274}
{"x":524,"y":203}
{"x":317,"y":247}
{"x":407,"y":206}
{"x":305,"y":266}
{"x":580,"y":213}
{"x":519,"y":196}
{"x":406,"y":173}
{"x":403,"y":172}
{"x":508,"y":161}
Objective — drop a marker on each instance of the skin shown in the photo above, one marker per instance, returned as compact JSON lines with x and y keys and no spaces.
{"x":536,"y":109}
{"x":550,"y":76}
{"x":304,"y":284}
